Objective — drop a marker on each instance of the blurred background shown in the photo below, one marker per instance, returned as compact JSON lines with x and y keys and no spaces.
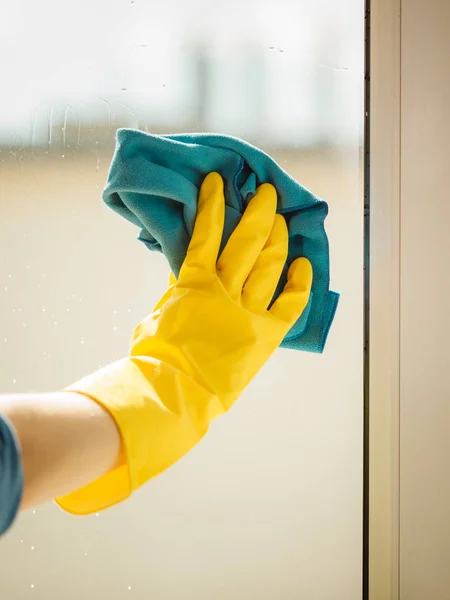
{"x":284,"y":74}
{"x":269,"y":505}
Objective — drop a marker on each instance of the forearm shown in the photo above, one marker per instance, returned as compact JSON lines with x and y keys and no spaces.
{"x":66,"y":440}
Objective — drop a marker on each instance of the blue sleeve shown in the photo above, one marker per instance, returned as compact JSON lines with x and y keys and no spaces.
{"x":11,"y":476}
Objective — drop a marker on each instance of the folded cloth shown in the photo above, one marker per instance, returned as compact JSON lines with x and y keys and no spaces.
{"x":154,"y":181}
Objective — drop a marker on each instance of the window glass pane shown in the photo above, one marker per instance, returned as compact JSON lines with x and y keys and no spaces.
{"x":269,"y":504}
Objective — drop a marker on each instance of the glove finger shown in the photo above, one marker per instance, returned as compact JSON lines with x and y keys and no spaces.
{"x":291,"y":303}
{"x":208,"y":229}
{"x":263,"y":280}
{"x":247,"y":240}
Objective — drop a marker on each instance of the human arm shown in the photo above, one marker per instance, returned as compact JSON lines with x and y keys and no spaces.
{"x":189,"y":361}
{"x":65,"y":441}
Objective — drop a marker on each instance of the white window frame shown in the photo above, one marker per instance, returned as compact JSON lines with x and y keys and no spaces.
{"x":384,"y":337}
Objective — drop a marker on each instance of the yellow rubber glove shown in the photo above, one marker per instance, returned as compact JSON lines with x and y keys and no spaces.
{"x":200,"y":347}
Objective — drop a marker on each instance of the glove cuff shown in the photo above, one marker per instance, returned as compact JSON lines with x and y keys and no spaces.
{"x":161,"y":414}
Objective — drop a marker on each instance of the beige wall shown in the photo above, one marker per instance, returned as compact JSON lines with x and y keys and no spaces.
{"x":269,"y":505}
{"x":425,"y":302}
{"x":410,"y":278}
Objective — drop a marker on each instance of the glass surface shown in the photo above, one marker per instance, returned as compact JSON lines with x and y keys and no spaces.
{"x":269,"y":505}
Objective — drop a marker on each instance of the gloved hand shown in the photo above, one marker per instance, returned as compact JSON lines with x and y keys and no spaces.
{"x":205,"y":340}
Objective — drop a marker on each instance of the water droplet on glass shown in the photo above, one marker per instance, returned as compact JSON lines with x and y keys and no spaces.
{"x":21,"y":541}
{"x":97,"y":514}
{"x":114,"y":328}
{"x":9,"y":275}
{"x":6,"y":340}
{"x":32,"y":585}
{"x":43,"y":309}
{"x":6,"y":288}
{"x":129,"y":587}
{"x":55,"y":322}
{"x":67,"y":309}
{"x":124,"y":90}
{"x":129,"y":310}
{"x":62,"y":155}
{"x":85,"y":553}
{"x":14,"y":381}
{"x":34,"y":512}
{"x":32,"y":547}
{"x":97,"y":186}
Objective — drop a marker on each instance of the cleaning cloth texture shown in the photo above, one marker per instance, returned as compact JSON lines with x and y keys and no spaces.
{"x":154,"y":181}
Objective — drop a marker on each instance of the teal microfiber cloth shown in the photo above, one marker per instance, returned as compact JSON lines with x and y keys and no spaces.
{"x":154,"y":182}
